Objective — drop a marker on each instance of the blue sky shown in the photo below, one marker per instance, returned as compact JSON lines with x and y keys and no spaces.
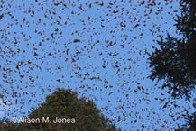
{"x":114,"y":88}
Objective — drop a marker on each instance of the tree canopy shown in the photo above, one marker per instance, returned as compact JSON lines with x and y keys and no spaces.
{"x":190,"y":122}
{"x":175,"y":61}
{"x":80,"y":114}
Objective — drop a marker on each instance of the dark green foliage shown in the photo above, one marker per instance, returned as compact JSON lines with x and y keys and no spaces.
{"x":190,"y":122}
{"x":175,"y":61}
{"x":7,"y":125}
{"x":186,"y":22}
{"x":83,"y":114}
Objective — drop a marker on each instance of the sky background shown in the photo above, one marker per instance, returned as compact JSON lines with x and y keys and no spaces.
{"x":108,"y":64}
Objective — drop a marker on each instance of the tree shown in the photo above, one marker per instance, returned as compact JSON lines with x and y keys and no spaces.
{"x":190,"y":122}
{"x":6,"y":124}
{"x":78,"y":114}
{"x":186,"y":21}
{"x":175,"y":61}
